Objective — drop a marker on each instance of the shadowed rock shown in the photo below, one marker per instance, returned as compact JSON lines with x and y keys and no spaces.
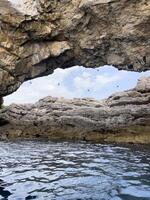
{"x":123,"y":117}
{"x":1,"y":102}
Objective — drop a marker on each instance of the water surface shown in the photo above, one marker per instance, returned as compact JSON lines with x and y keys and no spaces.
{"x":73,"y":171}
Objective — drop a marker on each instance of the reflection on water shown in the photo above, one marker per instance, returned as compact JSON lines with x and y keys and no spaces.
{"x":73,"y":171}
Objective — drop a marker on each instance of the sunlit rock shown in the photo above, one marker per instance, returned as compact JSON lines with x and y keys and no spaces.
{"x":38,"y":36}
{"x":143,"y":84}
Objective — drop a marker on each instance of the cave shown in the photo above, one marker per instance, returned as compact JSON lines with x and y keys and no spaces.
{"x":38,"y":37}
{"x":61,"y":34}
{"x":121,"y":117}
{"x":75,"y":99}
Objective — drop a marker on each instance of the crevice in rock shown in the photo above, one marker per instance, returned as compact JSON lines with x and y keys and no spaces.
{"x":3,"y":122}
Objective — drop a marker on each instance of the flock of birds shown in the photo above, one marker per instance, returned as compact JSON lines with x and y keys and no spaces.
{"x":58,"y":84}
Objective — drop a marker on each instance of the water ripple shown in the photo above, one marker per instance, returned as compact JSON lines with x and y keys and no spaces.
{"x":73,"y":171}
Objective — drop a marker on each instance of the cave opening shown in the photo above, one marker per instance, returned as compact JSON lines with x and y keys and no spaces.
{"x":76,"y":82}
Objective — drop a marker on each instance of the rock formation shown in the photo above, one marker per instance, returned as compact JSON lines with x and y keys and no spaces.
{"x":123,"y":117}
{"x":38,"y":36}
{"x":1,"y":102}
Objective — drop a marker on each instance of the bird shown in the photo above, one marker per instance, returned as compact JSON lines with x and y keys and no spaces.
{"x":58,"y":84}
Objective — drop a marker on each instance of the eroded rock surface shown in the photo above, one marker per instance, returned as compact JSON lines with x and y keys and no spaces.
{"x":38,"y":36}
{"x":123,"y":117}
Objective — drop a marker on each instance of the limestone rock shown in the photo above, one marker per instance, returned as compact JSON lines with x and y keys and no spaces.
{"x":38,"y":36}
{"x":123,"y":117}
{"x":143,"y":85}
{"x":1,"y":102}
{"x":27,"y":7}
{"x":89,"y":3}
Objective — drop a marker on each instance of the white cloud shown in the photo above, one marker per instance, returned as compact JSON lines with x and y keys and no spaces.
{"x":32,"y":91}
{"x":74,"y":82}
{"x":89,"y":83}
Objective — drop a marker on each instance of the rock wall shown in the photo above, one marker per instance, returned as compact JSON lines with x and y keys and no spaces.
{"x":123,"y":117}
{"x":38,"y":36}
{"x":1,"y":102}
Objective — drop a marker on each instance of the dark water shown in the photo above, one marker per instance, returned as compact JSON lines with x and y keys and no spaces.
{"x":73,"y":171}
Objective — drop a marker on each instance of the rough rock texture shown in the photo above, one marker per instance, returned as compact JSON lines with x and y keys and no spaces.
{"x":1,"y":102}
{"x":38,"y":36}
{"x":123,"y":117}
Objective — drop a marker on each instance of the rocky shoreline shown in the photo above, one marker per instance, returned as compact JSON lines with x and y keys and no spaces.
{"x":123,"y":117}
{"x":39,"y":36}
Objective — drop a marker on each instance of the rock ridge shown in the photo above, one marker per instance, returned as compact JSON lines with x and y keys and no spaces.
{"x":122,"y":117}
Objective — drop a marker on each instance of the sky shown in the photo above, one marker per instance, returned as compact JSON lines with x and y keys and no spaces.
{"x":76,"y":82}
